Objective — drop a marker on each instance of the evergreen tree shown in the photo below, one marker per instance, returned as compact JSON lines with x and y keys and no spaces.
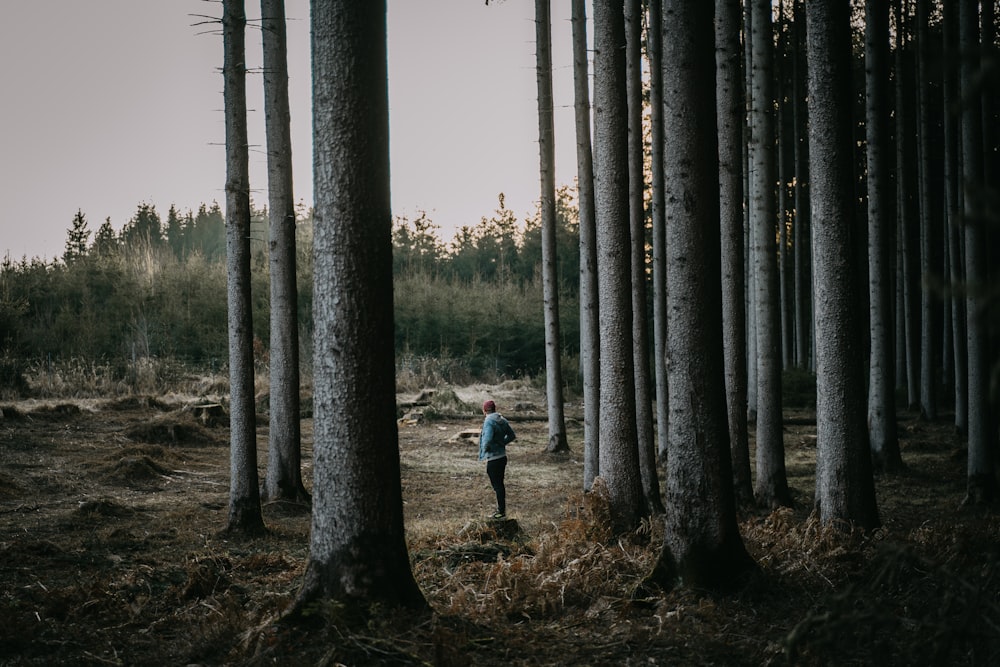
{"x":76,"y":239}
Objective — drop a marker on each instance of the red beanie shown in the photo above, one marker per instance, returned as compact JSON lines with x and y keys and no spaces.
{"x":489,"y":406}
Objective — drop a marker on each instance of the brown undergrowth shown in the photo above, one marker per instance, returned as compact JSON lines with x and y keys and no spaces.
{"x":112,"y":552}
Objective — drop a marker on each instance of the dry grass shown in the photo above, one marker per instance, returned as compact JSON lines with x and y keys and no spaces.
{"x":111,"y":553}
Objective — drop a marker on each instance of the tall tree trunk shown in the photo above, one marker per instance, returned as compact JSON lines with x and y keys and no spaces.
{"x":619,"y":459}
{"x":800,"y":229}
{"x":729,"y":85}
{"x":750,"y":276}
{"x":982,"y":481}
{"x":284,"y":455}
{"x":550,"y":277}
{"x":244,"y":492}
{"x":905,"y":185}
{"x":357,"y":547}
{"x":702,"y":547}
{"x":928,"y":381}
{"x":845,"y":488}
{"x":637,"y":226}
{"x":783,"y":147}
{"x":771,"y":488}
{"x":589,"y":327}
{"x":654,"y":49}
{"x":881,"y":399}
{"x":952,"y":229}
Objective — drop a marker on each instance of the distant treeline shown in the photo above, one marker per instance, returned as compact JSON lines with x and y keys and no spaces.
{"x":157,"y":289}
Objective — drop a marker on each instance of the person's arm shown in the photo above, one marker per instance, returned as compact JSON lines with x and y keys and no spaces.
{"x":485,"y":437}
{"x":508,"y":435}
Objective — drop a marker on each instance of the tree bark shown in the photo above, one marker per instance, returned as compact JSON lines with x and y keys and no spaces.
{"x":547,"y":204}
{"x":905,"y":185}
{"x":702,"y":547}
{"x":928,"y":381}
{"x":646,"y":447}
{"x":952,"y":228}
{"x":845,"y":488}
{"x":619,"y":462}
{"x":729,"y":82}
{"x":283,"y":480}
{"x":244,"y":494}
{"x":357,"y":549}
{"x":800,"y":228}
{"x":982,"y":481}
{"x":881,"y":398}
{"x":654,"y":50}
{"x":589,"y":326}
{"x":771,"y":488}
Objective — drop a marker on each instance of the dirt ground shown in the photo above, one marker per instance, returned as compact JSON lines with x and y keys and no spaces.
{"x":112,"y":553}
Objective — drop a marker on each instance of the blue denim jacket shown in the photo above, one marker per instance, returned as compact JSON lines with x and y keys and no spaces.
{"x":495,"y":435}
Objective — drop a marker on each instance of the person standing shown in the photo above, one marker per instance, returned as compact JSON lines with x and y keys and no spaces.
{"x":493,"y":440}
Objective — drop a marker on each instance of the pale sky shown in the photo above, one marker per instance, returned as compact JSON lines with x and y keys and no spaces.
{"x":111,"y":103}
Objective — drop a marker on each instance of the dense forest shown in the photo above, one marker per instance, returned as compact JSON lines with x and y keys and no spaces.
{"x":826,"y":210}
{"x":156,"y":290}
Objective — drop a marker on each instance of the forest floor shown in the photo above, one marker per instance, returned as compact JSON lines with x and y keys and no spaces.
{"x":112,"y":552}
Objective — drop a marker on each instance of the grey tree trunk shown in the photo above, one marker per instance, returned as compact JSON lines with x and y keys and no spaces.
{"x":244,"y":492}
{"x":881,"y":397}
{"x":702,"y":547}
{"x":845,"y":488}
{"x":928,"y":381}
{"x":283,"y":480}
{"x":654,"y":50}
{"x":357,"y":548}
{"x":547,"y":203}
{"x":904,"y":212}
{"x":619,"y":459}
{"x":589,"y":328}
{"x":982,"y":481}
{"x":646,"y":446}
{"x":729,"y":100}
{"x":952,"y":228}
{"x":785,"y":161}
{"x":771,"y":487}
{"x":750,"y":275}
{"x":800,"y":229}
{"x":898,"y":144}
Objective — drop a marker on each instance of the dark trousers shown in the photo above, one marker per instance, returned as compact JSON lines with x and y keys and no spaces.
{"x":496,"y":469}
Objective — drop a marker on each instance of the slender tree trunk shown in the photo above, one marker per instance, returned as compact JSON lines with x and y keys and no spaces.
{"x":284,"y":455}
{"x":729,"y":83}
{"x":619,"y":462}
{"x":982,"y":481}
{"x":547,"y":203}
{"x":654,"y":48}
{"x":750,"y":276}
{"x":357,"y":547}
{"x":928,"y":382}
{"x":771,"y":488}
{"x":900,"y":179}
{"x":905,"y":185}
{"x":845,"y":488}
{"x":702,"y":547}
{"x":800,"y":230}
{"x":244,"y":492}
{"x":881,"y":403}
{"x":589,"y":328}
{"x":784,"y":156}
{"x":952,"y":230}
{"x":637,"y":227}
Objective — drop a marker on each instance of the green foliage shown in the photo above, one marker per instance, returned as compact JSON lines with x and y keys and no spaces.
{"x":156,"y":291}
